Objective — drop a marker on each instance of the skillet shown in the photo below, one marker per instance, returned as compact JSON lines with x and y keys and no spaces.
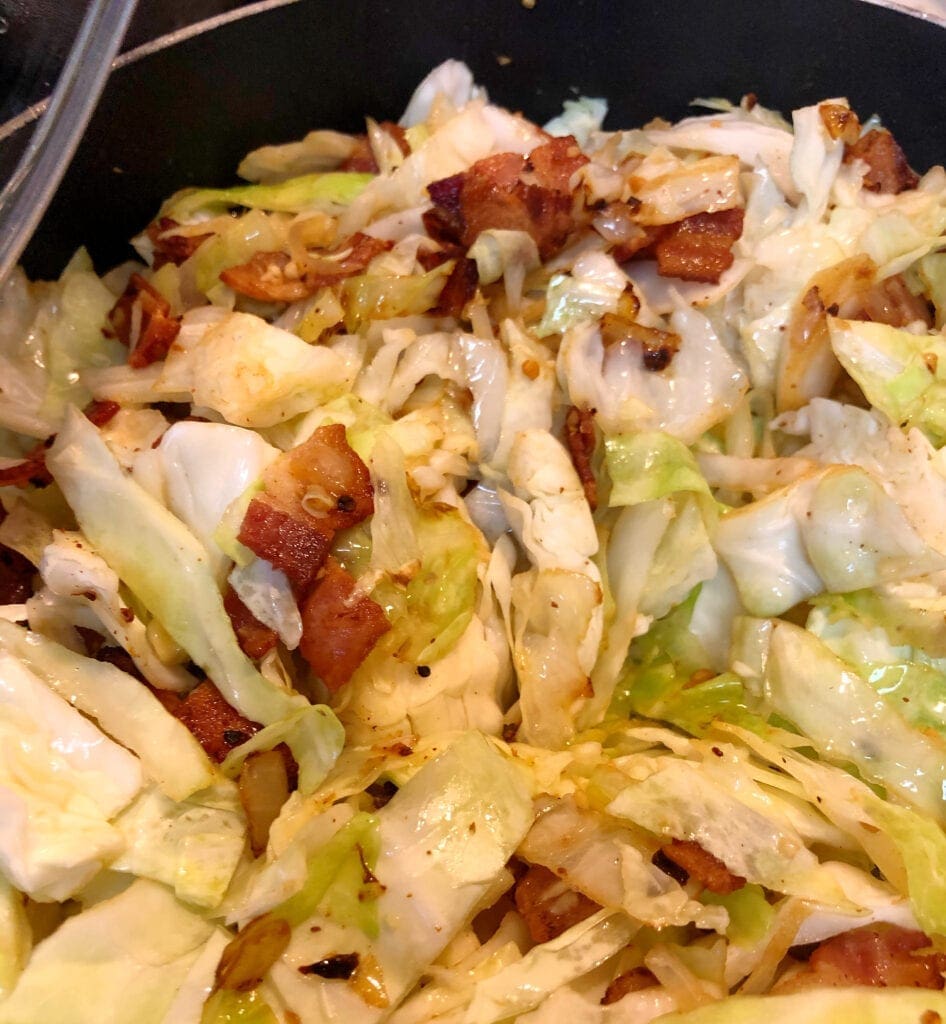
{"x":184,"y":113}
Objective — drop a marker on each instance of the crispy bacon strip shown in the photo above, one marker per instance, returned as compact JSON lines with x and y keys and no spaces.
{"x":700,"y":864}
{"x":882,"y":956}
{"x":217,"y":727}
{"x":325,"y":479}
{"x":156,"y":330}
{"x":338,"y":629}
{"x":495,"y":193}
{"x":170,"y":247}
{"x":255,"y":639}
{"x":887,"y":167}
{"x":624,"y":984}
{"x":548,"y":905}
{"x":274,"y":277}
{"x":289,"y":540}
{"x":581,"y":441}
{"x":699,"y":248}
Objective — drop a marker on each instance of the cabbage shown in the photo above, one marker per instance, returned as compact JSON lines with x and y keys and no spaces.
{"x":522,"y":986}
{"x":670,"y":189}
{"x":205,"y":467}
{"x":443,"y":840}
{"x":699,"y":388}
{"x":15,"y":937}
{"x":831,"y":530}
{"x":121,"y":960}
{"x":650,"y":465}
{"x":61,"y":782}
{"x":897,"y":370}
{"x":251,"y":373}
{"x":174,"y":581}
{"x":451,"y":81}
{"x":228,"y":1007}
{"x":46,"y":340}
{"x":849,"y":723}
{"x":580,"y":118}
{"x":820,"y":1006}
{"x":815,"y":160}
{"x":268,"y":595}
{"x":193,"y":845}
{"x":124,"y":708}
{"x":76,"y":574}
{"x":294,"y":195}
{"x":593,"y":287}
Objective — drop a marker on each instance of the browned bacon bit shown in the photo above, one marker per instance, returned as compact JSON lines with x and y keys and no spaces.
{"x":699,"y":248}
{"x":624,"y":984}
{"x":554,"y":163}
{"x":16,"y":573}
{"x":883,"y":956}
{"x":274,"y":276}
{"x":887,"y":167}
{"x":325,"y":478}
{"x":362,"y":157}
{"x":291,"y":541}
{"x":216,"y":726}
{"x":459,"y":288}
{"x":170,"y":247}
{"x":31,"y":472}
{"x":657,"y":347}
{"x":101,"y":411}
{"x":581,"y":440}
{"x":700,"y":864}
{"x":840,"y":122}
{"x":548,"y":905}
{"x":891,"y":302}
{"x":493,"y":194}
{"x":339,"y":628}
{"x":156,"y":330}
{"x":255,"y":639}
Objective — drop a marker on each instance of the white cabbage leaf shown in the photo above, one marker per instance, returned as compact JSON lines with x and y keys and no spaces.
{"x":123,"y":959}
{"x":61,"y":781}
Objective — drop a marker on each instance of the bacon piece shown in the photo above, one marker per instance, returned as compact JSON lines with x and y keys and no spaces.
{"x":362,"y":157}
{"x":459,"y":288}
{"x":699,"y":248}
{"x":290,"y":540}
{"x":339,"y":629}
{"x":216,"y":726}
{"x":548,"y":905}
{"x":700,"y":864}
{"x":16,"y":573}
{"x":274,"y":277}
{"x":882,"y":956}
{"x":555,"y":161}
{"x":624,"y":984}
{"x":156,"y":330}
{"x":31,"y":472}
{"x":255,"y":639}
{"x":887,"y":167}
{"x":492,"y":193}
{"x":100,"y":411}
{"x":325,"y":478}
{"x":581,"y":441}
{"x":170,"y":247}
